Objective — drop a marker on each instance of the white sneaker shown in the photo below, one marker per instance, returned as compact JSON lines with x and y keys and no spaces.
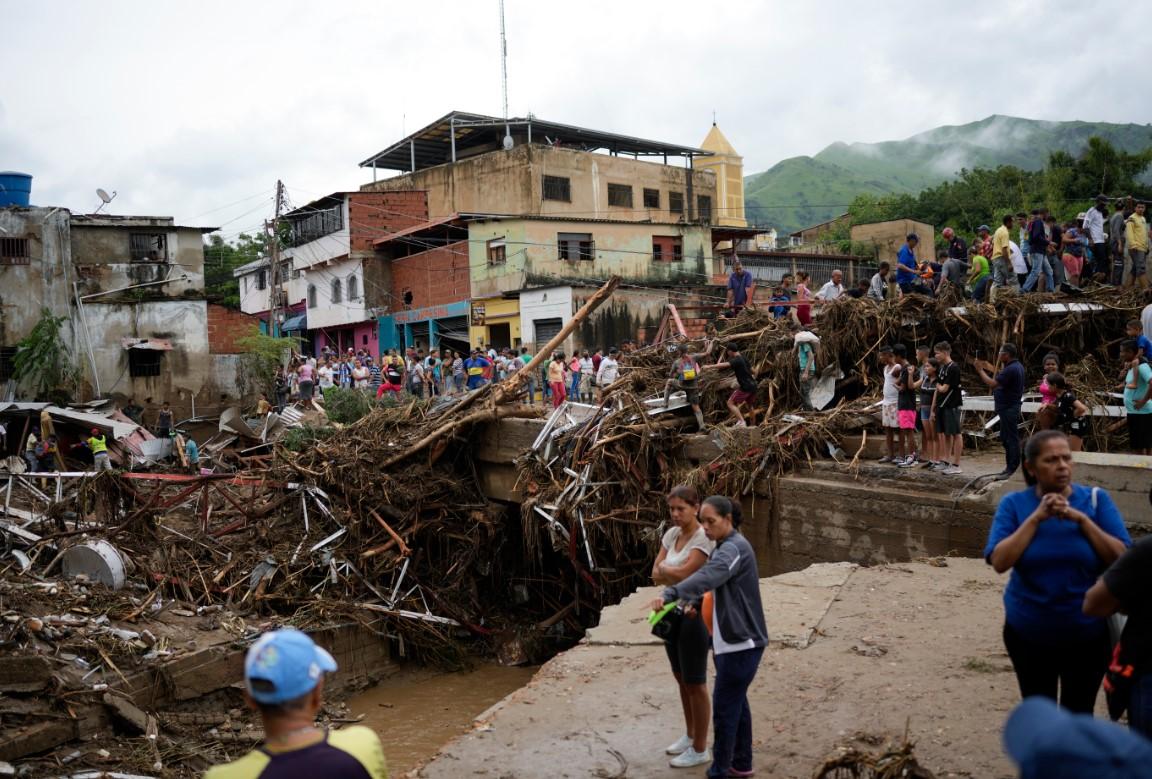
{"x":952,"y":470}
{"x":740,"y":423}
{"x":690,"y":758}
{"x":682,"y":743}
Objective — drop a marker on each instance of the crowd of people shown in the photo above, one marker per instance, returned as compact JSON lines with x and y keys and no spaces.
{"x":1026,"y":252}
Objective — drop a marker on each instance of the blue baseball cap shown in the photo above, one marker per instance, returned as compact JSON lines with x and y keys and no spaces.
{"x":1047,"y":742}
{"x":289,"y":661}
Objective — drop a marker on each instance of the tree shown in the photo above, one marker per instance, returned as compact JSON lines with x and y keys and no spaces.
{"x":44,"y":359}
{"x":222,"y":258}
{"x":261,"y":356}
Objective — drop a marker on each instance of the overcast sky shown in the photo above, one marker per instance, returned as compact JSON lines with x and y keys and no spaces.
{"x":195,"y":109}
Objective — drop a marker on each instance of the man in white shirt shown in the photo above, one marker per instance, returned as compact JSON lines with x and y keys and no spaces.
{"x":1094,"y":226}
{"x":609,"y":371}
{"x":878,"y":289}
{"x":1019,"y":264}
{"x":832,"y":289}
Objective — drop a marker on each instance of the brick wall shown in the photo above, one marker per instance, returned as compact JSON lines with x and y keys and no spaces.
{"x":435,"y":277}
{"x":225,"y":326}
{"x":372,"y":215}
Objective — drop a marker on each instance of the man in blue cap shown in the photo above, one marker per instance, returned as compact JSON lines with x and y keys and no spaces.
{"x":284,"y":679}
{"x":1047,"y":742}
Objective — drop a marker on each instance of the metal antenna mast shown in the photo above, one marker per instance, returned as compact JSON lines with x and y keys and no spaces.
{"x":504,"y":77}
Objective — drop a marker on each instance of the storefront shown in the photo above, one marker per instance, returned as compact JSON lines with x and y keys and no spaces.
{"x":495,"y":323}
{"x":423,"y":328}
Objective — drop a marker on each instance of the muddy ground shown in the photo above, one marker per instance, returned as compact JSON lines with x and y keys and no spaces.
{"x":904,"y":645}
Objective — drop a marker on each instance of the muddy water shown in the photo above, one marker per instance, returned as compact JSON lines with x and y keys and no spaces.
{"x":416,"y":714}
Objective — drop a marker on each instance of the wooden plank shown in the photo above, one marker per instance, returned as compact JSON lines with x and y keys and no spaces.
{"x":42,"y":736}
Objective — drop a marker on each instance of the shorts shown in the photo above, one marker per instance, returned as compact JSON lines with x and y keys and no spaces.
{"x":1140,"y":431}
{"x":1077,"y":427}
{"x":925,"y":413}
{"x":692,"y":393}
{"x":688,"y":651}
{"x":1139,"y":260}
{"x":907,"y":419}
{"x":305,"y":390}
{"x":889,"y":416}
{"x":948,"y":421}
{"x":740,"y":396}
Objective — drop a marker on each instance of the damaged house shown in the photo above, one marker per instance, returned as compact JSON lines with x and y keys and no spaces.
{"x":132,"y":291}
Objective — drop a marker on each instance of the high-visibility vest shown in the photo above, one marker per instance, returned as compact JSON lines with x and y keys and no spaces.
{"x":98,"y":445}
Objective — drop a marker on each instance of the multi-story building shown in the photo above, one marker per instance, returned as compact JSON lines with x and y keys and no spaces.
{"x":551,"y":211}
{"x":131,"y":291}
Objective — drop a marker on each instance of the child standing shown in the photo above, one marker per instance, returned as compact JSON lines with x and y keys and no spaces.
{"x":1135,"y":330}
{"x":905,"y":406}
{"x":926,"y":387}
{"x":889,"y":411}
{"x":1071,"y":413}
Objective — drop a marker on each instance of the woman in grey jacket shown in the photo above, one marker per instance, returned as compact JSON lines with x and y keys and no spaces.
{"x":739,"y":634}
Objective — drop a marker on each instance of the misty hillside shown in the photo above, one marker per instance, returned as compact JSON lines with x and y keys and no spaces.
{"x":800,"y":191}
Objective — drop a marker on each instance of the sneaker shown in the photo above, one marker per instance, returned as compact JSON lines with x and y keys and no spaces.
{"x":736,"y":773}
{"x":907,"y":462}
{"x":926,"y":464}
{"x":682,"y":743}
{"x":886,"y":459}
{"x":740,"y":423}
{"x":940,"y":466}
{"x":952,"y":470}
{"x":690,"y":758}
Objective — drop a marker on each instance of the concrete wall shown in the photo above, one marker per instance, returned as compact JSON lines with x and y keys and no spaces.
{"x":327,"y":313}
{"x":544,"y":303}
{"x":511,"y":182}
{"x":888,"y":237}
{"x":45,"y":282}
{"x":497,"y":311}
{"x":532,"y":255}
{"x":102,"y":255}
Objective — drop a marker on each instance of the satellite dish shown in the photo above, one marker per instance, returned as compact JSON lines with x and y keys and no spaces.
{"x":105,"y":199}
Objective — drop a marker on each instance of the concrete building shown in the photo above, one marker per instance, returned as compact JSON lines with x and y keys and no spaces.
{"x":729,"y":169}
{"x":132,"y":291}
{"x":551,"y":211}
{"x":888,"y":237}
{"x":333,"y":290}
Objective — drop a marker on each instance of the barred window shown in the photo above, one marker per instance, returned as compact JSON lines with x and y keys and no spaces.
{"x":148,"y":247}
{"x":557,"y":188}
{"x":651,"y":198}
{"x":676,"y":202}
{"x":620,"y":195}
{"x":14,"y":251}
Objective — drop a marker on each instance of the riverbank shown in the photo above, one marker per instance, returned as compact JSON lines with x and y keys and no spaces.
{"x":857,"y":655}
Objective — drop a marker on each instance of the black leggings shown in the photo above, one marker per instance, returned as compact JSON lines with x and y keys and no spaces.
{"x":1074,"y":666}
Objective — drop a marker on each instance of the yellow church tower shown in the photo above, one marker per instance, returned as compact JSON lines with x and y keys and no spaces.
{"x":729,"y":169}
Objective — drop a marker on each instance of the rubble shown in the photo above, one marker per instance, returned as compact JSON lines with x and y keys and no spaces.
{"x":128,"y":597}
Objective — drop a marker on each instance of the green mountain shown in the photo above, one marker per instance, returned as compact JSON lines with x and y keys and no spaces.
{"x":802,"y":191}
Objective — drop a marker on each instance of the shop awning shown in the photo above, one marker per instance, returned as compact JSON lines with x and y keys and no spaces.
{"x":295,"y":324}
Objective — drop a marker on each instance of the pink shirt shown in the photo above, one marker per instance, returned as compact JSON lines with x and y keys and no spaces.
{"x":305,"y":372}
{"x":1048,"y":394}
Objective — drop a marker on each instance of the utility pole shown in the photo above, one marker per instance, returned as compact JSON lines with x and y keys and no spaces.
{"x":273,"y":243}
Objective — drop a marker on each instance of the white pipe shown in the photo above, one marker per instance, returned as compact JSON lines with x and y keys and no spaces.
{"x":135,"y":286}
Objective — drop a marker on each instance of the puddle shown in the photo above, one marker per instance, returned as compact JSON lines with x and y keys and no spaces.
{"x":416,"y":714}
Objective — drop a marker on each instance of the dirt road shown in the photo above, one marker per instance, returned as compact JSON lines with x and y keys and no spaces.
{"x":905,"y":644}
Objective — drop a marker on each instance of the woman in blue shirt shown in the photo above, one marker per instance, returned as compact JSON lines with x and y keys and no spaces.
{"x":1056,"y":537}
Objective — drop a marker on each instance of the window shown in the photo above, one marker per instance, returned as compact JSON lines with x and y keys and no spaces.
{"x":576,"y":246}
{"x":557,"y":188}
{"x":704,"y":208}
{"x":14,"y":251}
{"x":620,"y":195}
{"x":316,"y":225}
{"x":651,"y":198}
{"x":144,"y":362}
{"x":7,"y":361}
{"x":336,"y":297}
{"x":353,"y":287}
{"x":311,"y":296}
{"x":262,"y":279}
{"x":148,"y":247}
{"x":667,"y":248}
{"x":497,"y":251}
{"x":676,"y":202}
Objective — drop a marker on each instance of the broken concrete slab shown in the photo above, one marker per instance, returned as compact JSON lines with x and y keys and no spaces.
{"x":794,"y":604}
{"x":28,"y":673}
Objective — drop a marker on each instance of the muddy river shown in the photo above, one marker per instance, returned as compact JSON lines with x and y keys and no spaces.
{"x":417,"y":713}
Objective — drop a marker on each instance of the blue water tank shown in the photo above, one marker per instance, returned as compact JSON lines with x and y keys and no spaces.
{"x":15,"y":188}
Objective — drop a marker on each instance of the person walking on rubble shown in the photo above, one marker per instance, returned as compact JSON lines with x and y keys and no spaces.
{"x":739,"y":634}
{"x":30,"y":448}
{"x":745,"y":392}
{"x":1056,"y":537}
{"x":284,"y":673}
{"x":683,"y":550}
{"x":684,"y":374}
{"x":98,"y":445}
